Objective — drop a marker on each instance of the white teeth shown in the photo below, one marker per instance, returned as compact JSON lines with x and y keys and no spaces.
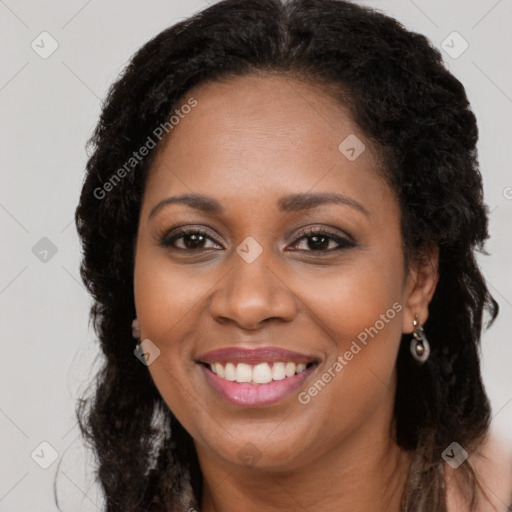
{"x":290,"y":369}
{"x":278,"y":371}
{"x":300,"y":367}
{"x":229,"y":372}
{"x":243,"y":372}
{"x":261,"y":373}
{"x":219,"y":369}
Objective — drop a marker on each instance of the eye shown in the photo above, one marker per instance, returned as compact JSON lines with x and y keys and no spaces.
{"x":196,"y":239}
{"x":193,"y":239}
{"x":319,"y":240}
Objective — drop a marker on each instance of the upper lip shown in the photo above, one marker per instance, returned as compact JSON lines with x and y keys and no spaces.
{"x":255,"y":356}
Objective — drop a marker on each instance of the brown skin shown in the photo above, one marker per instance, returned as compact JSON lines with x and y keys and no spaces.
{"x":247,"y":143}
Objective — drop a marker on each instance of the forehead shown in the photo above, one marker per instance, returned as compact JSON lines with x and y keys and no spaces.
{"x":257,"y":137}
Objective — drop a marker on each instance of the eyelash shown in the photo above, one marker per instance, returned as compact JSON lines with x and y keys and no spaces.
{"x":344,"y":243}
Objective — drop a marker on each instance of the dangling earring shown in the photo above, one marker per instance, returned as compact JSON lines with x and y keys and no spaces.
{"x":135,"y":328}
{"x":420,"y":347}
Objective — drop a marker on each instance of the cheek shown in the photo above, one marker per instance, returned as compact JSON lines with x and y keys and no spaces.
{"x":359,"y":308}
{"x":353,"y":297}
{"x":165,"y":296}
{"x":164,"y":301}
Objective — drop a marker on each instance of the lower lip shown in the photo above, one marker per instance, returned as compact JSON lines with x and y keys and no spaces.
{"x":256,"y":395}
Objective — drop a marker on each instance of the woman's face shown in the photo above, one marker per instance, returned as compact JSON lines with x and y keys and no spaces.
{"x":263,"y":155}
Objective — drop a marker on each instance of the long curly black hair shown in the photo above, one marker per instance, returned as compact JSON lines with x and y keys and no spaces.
{"x":412,"y":108}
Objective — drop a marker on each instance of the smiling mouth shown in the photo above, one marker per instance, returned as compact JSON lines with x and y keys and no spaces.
{"x":262,"y":373}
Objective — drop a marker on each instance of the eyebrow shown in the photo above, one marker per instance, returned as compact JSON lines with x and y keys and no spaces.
{"x":290,"y":203}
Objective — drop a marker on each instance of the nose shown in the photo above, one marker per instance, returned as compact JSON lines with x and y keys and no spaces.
{"x":253,"y":293}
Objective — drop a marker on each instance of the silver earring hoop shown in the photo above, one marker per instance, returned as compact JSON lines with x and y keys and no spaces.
{"x":420,"y":347}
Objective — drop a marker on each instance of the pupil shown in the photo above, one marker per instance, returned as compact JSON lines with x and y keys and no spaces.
{"x":319,"y":242}
{"x":191,"y":241}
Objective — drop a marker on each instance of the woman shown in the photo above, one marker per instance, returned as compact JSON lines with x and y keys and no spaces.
{"x":284,"y":203}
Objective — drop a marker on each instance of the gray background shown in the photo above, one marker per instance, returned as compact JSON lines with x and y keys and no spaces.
{"x":48,"y":110}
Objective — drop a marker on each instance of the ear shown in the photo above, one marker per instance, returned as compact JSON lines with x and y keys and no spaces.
{"x":419,"y":288}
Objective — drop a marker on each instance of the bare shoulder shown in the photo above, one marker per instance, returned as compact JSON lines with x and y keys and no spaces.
{"x":492,"y":463}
